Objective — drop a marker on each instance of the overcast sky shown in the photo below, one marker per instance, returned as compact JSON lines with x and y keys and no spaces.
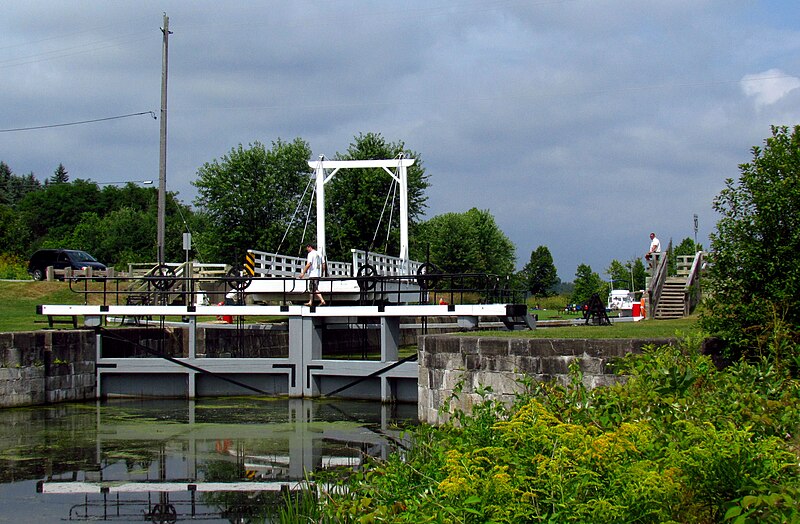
{"x":581,"y":125}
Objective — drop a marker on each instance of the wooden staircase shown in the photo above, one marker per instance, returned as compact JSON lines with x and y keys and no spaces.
{"x":672,"y":303}
{"x":672,"y":297}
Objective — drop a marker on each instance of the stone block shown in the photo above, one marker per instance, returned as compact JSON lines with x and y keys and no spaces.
{"x":472,"y":362}
{"x":493,"y":346}
{"x":528,"y":365}
{"x":519,"y":346}
{"x":541,"y":347}
{"x":591,"y":365}
{"x":451,"y":378}
{"x":448,"y":361}
{"x":448,"y":344}
{"x":556,"y":365}
{"x":435,"y":379}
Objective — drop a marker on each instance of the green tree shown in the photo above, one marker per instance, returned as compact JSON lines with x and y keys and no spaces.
{"x":121,"y":237}
{"x":539,"y":274}
{"x":467,"y":242}
{"x":587,"y":283}
{"x":13,"y":188}
{"x":686,"y":247}
{"x":358,"y":214}
{"x":620,"y":275}
{"x":60,"y":175}
{"x":54,"y":211}
{"x":754,"y":276}
{"x":639,"y":273}
{"x":248,"y":198}
{"x":14,"y":235}
{"x":629,"y":275}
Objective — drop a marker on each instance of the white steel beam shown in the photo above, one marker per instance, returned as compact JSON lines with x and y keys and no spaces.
{"x":261,"y":311}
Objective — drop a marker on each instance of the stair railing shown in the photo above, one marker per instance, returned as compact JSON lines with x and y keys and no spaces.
{"x":657,"y":280}
{"x":692,"y":291}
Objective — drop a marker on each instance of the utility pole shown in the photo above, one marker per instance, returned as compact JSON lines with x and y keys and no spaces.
{"x":162,"y":164}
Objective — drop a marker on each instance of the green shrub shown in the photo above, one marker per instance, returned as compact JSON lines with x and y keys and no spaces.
{"x":13,"y":267}
{"x":678,"y":441}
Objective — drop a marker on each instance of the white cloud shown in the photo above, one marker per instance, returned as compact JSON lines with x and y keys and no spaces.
{"x":768,"y":87}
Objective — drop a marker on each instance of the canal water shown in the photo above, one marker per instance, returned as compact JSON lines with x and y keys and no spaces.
{"x":209,"y":460}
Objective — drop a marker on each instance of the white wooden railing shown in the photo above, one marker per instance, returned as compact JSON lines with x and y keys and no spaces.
{"x":274,"y":265}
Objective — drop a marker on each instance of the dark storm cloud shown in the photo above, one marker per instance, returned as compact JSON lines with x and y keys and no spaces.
{"x":581,"y":125}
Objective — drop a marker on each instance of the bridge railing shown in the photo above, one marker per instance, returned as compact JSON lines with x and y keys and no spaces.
{"x":658,"y":277}
{"x":385,"y":264}
{"x":692,"y":290}
{"x":275,"y":265}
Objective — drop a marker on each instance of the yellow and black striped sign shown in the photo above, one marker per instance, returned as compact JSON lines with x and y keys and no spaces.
{"x":250,"y":264}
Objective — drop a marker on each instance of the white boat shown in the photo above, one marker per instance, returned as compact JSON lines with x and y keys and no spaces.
{"x":621,"y":301}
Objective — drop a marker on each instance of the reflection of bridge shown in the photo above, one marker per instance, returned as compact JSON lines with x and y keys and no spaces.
{"x":196,"y":465}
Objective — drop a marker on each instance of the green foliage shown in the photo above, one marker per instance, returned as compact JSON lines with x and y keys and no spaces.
{"x":249,"y":196}
{"x":13,"y":188}
{"x":14,"y":234}
{"x":678,"y":441}
{"x":539,"y":274}
{"x":468,"y":242}
{"x":55,"y":210}
{"x":587,"y":283}
{"x":363,"y":205}
{"x":630,"y":275}
{"x":60,"y":175}
{"x":620,"y":275}
{"x":755,"y":264}
{"x":13,"y":267}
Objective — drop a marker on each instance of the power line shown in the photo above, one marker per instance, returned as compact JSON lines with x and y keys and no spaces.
{"x":151,"y":113}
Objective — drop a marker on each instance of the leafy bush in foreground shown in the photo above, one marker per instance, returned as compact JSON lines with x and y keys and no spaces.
{"x":679,"y":441}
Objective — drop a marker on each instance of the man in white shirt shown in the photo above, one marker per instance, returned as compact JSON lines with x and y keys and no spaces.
{"x":313,"y":268}
{"x":655,"y":247}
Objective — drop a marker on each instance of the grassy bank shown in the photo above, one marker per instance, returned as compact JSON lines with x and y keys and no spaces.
{"x":18,"y":301}
{"x":642,"y":329}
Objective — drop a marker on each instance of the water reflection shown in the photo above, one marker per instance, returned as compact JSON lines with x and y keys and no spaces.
{"x":211,"y":460}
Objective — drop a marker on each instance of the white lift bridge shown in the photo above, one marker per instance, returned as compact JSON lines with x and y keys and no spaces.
{"x":375,"y":290}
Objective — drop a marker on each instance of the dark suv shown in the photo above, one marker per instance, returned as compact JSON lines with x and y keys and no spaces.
{"x":61,"y":259}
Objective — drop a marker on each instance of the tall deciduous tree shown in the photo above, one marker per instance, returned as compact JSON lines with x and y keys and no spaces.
{"x":539,"y":274}
{"x":629,"y":275}
{"x":587,"y":283}
{"x":248,"y":198}
{"x":362,"y":205}
{"x":467,"y":242}
{"x":620,"y":274}
{"x":754,"y":302}
{"x":56,"y":210}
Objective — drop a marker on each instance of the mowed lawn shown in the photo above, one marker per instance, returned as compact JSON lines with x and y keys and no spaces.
{"x":18,"y":301}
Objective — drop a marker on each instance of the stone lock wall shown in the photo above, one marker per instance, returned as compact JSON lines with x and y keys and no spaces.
{"x":449,"y":362}
{"x":46,"y":366}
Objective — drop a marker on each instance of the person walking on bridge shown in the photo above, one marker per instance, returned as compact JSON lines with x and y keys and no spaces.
{"x":313,"y":269}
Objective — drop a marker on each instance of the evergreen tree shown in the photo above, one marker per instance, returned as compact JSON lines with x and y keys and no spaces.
{"x":60,"y":175}
{"x":539,"y":274}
